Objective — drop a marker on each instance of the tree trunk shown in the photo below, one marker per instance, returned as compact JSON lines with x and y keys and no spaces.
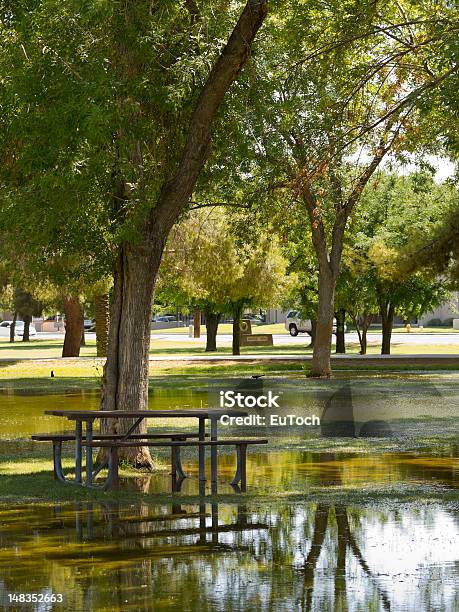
{"x":387,"y":315}
{"x":13,"y":326}
{"x":313,"y":332}
{"x":366,"y":320}
{"x":340,"y":337}
{"x":102,"y":321}
{"x":212,"y":321}
{"x":27,"y":320}
{"x":73,"y":326}
{"x":83,"y":337}
{"x":125,"y":381}
{"x":237,"y":330}
{"x":320,"y":365}
{"x":197,"y":324}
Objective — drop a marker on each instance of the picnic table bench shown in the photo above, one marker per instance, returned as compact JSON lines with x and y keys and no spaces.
{"x":88,"y":440}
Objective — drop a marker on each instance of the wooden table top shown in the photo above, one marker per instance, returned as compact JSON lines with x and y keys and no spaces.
{"x":83,"y":415}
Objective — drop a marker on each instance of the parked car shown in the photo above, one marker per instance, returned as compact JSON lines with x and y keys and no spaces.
{"x":166,"y":319}
{"x":89,"y":325}
{"x":254,"y":319}
{"x":18,"y":329}
{"x":295,"y":325}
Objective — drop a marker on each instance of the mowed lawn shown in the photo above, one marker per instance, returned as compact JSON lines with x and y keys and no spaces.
{"x":52,"y":349}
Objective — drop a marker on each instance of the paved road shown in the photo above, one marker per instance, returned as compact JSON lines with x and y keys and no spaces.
{"x":281,"y":339}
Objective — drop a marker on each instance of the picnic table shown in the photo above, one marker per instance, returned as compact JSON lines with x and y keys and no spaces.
{"x":86,"y":437}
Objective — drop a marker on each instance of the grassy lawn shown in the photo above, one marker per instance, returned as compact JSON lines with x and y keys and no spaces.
{"x":51,"y":349}
{"x":279,"y":328}
{"x":34,"y":375}
{"x":416,"y":330}
{"x":227,"y":328}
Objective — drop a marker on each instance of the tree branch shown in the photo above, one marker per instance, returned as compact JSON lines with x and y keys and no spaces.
{"x":197,"y":205}
{"x":176,"y":192}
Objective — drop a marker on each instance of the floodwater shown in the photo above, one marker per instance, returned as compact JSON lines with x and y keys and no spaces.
{"x":295,"y":543}
{"x":313,"y":556}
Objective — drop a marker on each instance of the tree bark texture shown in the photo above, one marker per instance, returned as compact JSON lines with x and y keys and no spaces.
{"x":27,"y":321}
{"x":237,"y":330}
{"x":321,"y":365}
{"x":13,"y":326}
{"x":73,"y":326}
{"x":313,"y":332}
{"x":212,"y":321}
{"x":125,"y":382}
{"x":340,"y":337}
{"x":387,"y":316}
{"x":197,"y":324}
{"x":102,"y":322}
{"x":362,"y":324}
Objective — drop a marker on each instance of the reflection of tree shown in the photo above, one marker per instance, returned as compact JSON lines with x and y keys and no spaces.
{"x":230,"y":557}
{"x":340,"y":572}
{"x":346,"y":541}
{"x":320,"y":529}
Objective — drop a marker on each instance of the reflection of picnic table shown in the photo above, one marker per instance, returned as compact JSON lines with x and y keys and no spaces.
{"x":85,"y":437}
{"x":115,"y":523}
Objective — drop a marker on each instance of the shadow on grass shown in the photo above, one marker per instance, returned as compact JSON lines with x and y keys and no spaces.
{"x":27,"y":346}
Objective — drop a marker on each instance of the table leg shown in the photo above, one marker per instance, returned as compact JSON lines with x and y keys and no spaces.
{"x":78,"y":451}
{"x":89,"y":425}
{"x":213,"y":450}
{"x":202,"y":450}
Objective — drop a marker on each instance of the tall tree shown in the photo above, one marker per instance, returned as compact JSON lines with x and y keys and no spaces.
{"x":121,"y":105}
{"x":338,"y":90}
{"x":397,"y":212}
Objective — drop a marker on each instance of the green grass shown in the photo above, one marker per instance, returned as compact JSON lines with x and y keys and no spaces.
{"x":416,"y":330}
{"x":27,"y":476}
{"x":227,"y":328}
{"x":51,"y":349}
{"x":86,"y":373}
{"x":279,"y":328}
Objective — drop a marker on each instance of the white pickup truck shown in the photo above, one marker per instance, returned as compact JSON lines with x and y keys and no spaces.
{"x":294,"y":325}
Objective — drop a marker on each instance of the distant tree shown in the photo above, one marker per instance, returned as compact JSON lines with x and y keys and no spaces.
{"x":437,"y":250}
{"x":27,"y":307}
{"x":339,"y":90}
{"x":396,"y":211}
{"x":356,"y":295}
{"x":204,"y":267}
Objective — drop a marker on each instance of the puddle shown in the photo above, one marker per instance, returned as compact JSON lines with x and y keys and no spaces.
{"x":231,"y":557}
{"x":376,"y":434}
{"x":375,"y":405}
